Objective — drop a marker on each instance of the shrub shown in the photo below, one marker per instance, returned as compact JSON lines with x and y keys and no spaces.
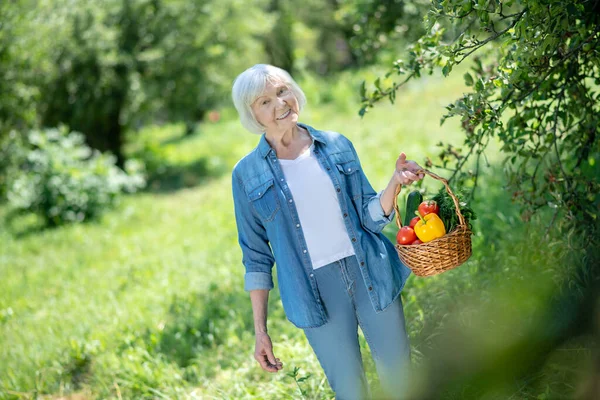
{"x":54,"y":174}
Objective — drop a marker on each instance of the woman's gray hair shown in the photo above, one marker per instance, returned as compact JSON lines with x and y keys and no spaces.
{"x":250,"y":84}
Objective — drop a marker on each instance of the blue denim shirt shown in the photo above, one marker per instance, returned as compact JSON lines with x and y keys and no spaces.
{"x":270,"y":232}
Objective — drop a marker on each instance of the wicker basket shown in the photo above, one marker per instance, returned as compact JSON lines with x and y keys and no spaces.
{"x":441,"y":254}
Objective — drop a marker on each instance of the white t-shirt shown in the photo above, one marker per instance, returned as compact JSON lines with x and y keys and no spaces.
{"x":318,"y":209}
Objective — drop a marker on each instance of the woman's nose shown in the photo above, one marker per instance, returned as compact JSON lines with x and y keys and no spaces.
{"x":281,"y":104}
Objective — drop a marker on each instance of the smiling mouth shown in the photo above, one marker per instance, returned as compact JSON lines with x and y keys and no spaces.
{"x":288,"y":112}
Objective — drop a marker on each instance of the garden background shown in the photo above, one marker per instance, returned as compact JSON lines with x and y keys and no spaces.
{"x":120,"y":272}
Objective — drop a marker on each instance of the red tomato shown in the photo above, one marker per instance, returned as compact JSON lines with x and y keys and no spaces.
{"x":406,"y":235}
{"x":417,"y":242}
{"x":428,"y":207}
{"x":414,"y":221}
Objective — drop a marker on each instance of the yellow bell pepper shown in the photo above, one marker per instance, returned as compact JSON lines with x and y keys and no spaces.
{"x":429,"y":227}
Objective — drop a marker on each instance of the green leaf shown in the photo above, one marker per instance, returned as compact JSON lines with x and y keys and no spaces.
{"x":378,"y":84}
{"x":304,"y":378}
{"x":468,"y":79}
{"x":446,"y":70}
{"x":479,"y":85}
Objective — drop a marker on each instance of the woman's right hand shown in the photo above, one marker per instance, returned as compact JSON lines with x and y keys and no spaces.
{"x":263,"y":353}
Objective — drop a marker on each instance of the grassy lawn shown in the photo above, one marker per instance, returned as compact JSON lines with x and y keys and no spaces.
{"x":148,"y":301}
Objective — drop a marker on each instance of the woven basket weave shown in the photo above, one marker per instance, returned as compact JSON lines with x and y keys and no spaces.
{"x":441,"y":254}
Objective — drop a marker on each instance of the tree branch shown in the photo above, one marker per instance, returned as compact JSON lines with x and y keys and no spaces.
{"x":567,"y":182}
{"x":492,"y":37}
{"x":562,"y":60}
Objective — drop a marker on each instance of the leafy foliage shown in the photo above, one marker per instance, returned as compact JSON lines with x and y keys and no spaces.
{"x":448,"y":213}
{"x":17,"y":103}
{"x":104,"y":67}
{"x":373,"y":27}
{"x":56,"y":175}
{"x":534,"y":87}
{"x":534,"y":90}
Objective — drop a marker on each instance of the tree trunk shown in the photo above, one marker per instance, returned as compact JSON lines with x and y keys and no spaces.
{"x":279,"y":44}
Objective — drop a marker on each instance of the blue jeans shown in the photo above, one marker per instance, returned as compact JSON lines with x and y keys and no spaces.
{"x":344,"y":296}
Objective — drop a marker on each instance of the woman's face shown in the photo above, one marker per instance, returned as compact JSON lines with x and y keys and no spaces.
{"x":276,"y":108}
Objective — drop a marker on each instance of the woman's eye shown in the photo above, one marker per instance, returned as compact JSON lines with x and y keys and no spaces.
{"x":265,"y":102}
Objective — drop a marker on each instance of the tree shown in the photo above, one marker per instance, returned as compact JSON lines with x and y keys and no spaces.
{"x":373,"y":28}
{"x":15,"y":109}
{"x":535,"y":82}
{"x":17,"y":103}
{"x":346,"y":33}
{"x":202,"y":47}
{"x":535,"y":87}
{"x":279,"y":42}
{"x":89,"y":92}
{"x":122,"y":63}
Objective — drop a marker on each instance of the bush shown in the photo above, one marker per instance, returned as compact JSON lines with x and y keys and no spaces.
{"x":55,"y":175}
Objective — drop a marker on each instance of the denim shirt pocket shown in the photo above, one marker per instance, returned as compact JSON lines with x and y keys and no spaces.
{"x":263,"y":197}
{"x":349,"y":171}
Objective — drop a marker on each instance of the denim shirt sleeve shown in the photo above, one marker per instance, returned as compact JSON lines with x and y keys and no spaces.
{"x":372,"y":215}
{"x":257,"y":256}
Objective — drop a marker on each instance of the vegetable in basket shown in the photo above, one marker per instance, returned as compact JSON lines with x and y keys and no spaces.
{"x":448,"y":213}
{"x":429,"y":227}
{"x":448,"y":250}
{"x":406,"y":235}
{"x":428,"y":207}
{"x":413,"y":200}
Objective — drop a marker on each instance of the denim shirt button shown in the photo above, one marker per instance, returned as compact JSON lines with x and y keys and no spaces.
{"x":370,"y":287}
{"x":281,"y":179}
{"x":312,"y":275}
{"x":354,"y":239}
{"x":291,"y":200}
{"x":345,"y":215}
{"x":297,"y":225}
{"x":338,"y":190}
{"x":304,"y":251}
{"x":362,"y":263}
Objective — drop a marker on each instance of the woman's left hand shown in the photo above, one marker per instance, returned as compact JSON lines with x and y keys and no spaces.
{"x":406,"y":171}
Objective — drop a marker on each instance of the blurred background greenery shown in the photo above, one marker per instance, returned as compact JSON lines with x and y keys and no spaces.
{"x":107,"y":295}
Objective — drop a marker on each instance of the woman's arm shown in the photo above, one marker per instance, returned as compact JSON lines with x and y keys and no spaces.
{"x":263,"y":350}
{"x":257,"y":256}
{"x":258,"y":260}
{"x":378,"y":207}
{"x":259,"y":299}
{"x":403,"y":175}
{"x":387,"y":197}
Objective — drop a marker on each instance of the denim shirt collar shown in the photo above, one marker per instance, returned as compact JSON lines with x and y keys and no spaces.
{"x":264,"y":147}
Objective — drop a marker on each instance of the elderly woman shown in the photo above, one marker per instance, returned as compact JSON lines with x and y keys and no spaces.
{"x":303,"y":202}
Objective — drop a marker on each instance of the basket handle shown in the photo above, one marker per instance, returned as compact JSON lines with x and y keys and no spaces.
{"x":461,"y":219}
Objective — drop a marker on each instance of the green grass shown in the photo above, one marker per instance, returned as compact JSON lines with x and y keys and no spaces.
{"x":148,"y":301}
